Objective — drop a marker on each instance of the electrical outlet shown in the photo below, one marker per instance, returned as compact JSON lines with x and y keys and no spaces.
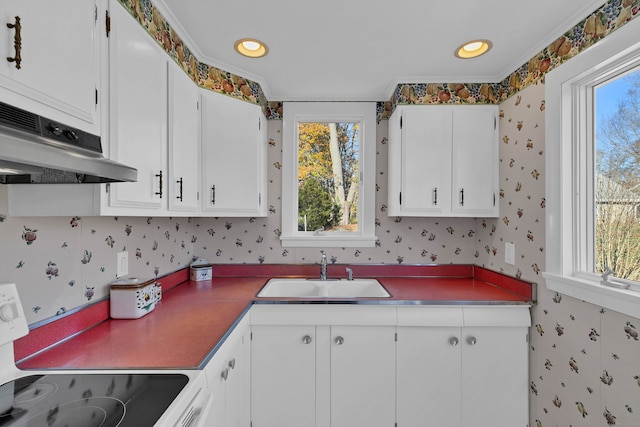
{"x":122,"y":264}
{"x":509,"y":253}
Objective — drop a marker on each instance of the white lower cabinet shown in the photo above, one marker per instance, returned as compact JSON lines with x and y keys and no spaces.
{"x":362,"y":368}
{"x":229,"y":380}
{"x":462,"y":366}
{"x":301,"y":365}
{"x":323,"y":366}
{"x":283,"y":375}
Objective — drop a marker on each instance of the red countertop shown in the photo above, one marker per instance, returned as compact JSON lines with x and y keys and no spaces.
{"x":193,"y":318}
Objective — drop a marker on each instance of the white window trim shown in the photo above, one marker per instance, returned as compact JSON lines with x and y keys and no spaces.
{"x":294,"y":112}
{"x":567,"y":128}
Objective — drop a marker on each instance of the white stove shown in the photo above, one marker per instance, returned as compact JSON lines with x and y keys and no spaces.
{"x":88,"y":398}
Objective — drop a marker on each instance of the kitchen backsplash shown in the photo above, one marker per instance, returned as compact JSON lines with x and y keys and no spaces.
{"x":60,"y":263}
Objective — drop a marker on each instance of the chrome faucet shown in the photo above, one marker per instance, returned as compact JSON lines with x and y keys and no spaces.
{"x":323,"y":267}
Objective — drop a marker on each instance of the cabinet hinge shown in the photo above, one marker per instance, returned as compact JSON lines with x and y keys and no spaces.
{"x":95,"y":14}
{"x":400,"y":122}
{"x":494,"y":199}
{"x":107,"y":188}
{"x":96,"y":96}
{"x":197,"y":105}
{"x":259,"y":199}
{"x":259,"y":124}
{"x":396,"y":337}
{"x":495,"y":122}
{"x":107,"y":22}
{"x":400,"y":198}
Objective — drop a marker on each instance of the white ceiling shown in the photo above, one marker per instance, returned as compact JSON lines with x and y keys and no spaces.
{"x":359,"y":50}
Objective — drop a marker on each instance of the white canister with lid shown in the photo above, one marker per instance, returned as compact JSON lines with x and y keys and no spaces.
{"x":200,"y":269}
{"x":133,"y":297}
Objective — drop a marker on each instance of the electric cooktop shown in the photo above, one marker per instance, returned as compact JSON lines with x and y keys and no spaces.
{"x":88,"y":399}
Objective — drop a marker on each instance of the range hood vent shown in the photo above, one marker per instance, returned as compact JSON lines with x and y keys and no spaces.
{"x":37,"y":150}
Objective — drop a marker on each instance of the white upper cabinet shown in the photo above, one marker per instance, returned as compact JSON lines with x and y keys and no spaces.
{"x":58,"y":72}
{"x":184,"y":148}
{"x":137,"y":113}
{"x":475,"y":161}
{"x":443,"y":161}
{"x":234,"y":181}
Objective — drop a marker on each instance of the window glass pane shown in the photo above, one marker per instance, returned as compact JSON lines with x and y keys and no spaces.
{"x":617,"y":176}
{"x":328,"y":176}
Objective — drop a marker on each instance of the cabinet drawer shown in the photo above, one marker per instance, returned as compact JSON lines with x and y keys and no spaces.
{"x":322,"y":314}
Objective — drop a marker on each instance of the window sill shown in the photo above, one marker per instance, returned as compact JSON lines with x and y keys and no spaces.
{"x":344,"y":241}
{"x":621,"y":300}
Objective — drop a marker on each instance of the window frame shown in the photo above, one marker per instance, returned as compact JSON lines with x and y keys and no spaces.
{"x":325,"y":112}
{"x":569,"y":184}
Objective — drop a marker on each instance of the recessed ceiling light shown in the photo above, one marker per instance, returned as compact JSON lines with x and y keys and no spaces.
{"x":252,"y":48}
{"x":473,"y":49}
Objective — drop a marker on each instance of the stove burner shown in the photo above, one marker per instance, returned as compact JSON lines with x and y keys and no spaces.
{"x":88,"y":400}
{"x":32,"y":395}
{"x":91,"y":412}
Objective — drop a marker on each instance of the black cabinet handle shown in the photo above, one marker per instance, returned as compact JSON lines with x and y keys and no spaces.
{"x":159,"y":176}
{"x":180,"y":195}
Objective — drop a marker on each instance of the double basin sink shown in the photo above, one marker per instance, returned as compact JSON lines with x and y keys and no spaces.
{"x":316,"y":288}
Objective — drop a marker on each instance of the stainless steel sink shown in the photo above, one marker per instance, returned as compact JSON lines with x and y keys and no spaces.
{"x":316,"y":288}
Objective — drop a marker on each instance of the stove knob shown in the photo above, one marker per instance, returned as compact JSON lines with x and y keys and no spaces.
{"x":9,"y":312}
{"x":54,"y":129}
{"x":71,"y":134}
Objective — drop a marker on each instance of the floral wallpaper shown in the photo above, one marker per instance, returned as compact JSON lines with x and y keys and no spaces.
{"x":61,"y":263}
{"x":584,"y":360}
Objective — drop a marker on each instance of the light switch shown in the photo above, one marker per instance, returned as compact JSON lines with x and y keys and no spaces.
{"x":509,"y":253}
{"x":122,"y":264}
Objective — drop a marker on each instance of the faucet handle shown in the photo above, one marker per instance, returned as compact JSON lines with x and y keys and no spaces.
{"x":349,"y":273}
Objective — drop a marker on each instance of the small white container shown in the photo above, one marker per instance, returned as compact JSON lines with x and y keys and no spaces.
{"x":132,"y":298}
{"x":200,"y":272}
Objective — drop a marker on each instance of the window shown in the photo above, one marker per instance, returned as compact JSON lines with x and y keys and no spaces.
{"x":596,"y":194}
{"x":328,"y":174}
{"x":617,"y":176}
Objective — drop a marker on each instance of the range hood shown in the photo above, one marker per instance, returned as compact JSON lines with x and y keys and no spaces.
{"x":36,"y":150}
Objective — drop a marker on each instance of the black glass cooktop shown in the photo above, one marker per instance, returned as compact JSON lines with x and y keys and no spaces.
{"x":88,"y":400}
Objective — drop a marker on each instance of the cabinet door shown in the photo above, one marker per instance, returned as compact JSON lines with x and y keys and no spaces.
{"x":184,"y":153}
{"x":283,"y":369}
{"x":233,"y":161}
{"x":475,"y":161}
{"x":138,"y":112}
{"x":494,"y":376}
{"x":428,"y":377}
{"x":238,"y":383}
{"x":60,"y":68}
{"x":363,"y":376}
{"x":425,"y":161}
{"x":217,"y":385}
